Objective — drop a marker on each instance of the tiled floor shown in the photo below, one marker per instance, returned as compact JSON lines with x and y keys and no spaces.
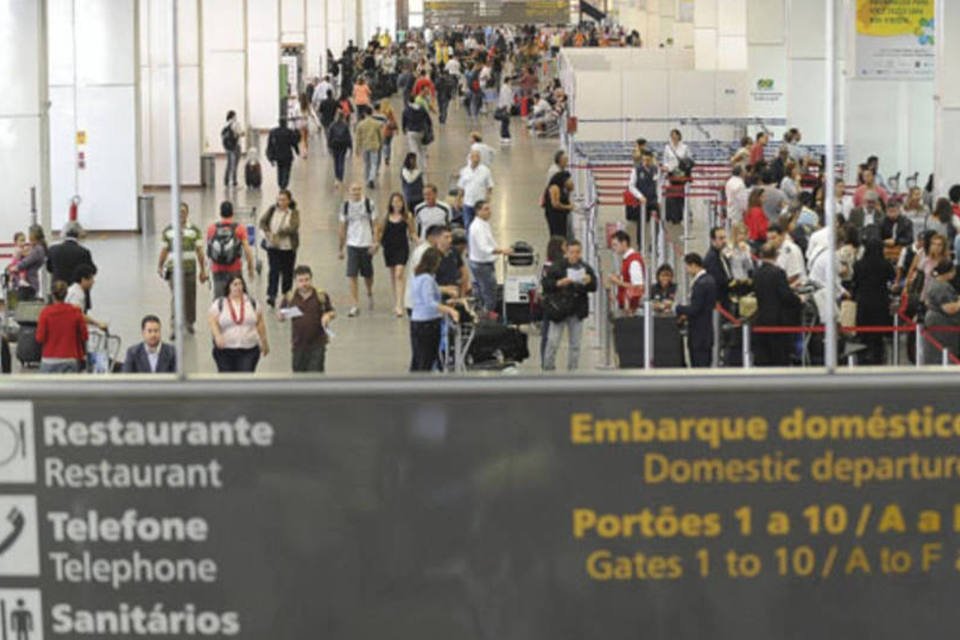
{"x":375,"y":343}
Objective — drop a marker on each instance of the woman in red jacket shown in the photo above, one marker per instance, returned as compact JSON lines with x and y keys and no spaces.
{"x":62,"y":331}
{"x":756,"y":219}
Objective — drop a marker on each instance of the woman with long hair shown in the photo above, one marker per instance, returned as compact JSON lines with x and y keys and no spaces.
{"x":239,"y":331}
{"x":389,"y":129}
{"x":556,"y":250}
{"x":426,"y":314}
{"x":31,"y":263}
{"x":872,"y":275}
{"x":281,"y":229}
{"x":411,"y":181}
{"x":755,"y":218}
{"x":934,"y":250}
{"x":395,"y":233}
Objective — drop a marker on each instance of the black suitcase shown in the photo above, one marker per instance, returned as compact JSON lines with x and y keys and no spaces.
{"x":667,"y":342}
{"x":29,"y":351}
{"x":253,"y":174}
{"x":491,"y":337}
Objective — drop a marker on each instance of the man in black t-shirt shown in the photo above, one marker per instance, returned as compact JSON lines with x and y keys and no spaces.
{"x":453,"y":269}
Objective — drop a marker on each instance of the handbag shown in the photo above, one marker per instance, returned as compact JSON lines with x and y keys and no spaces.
{"x":427,"y":136}
{"x":848,"y":313}
{"x":558,"y":307}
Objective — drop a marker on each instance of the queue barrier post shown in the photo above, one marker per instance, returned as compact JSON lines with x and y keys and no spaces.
{"x":716,"y":338}
{"x":747,"y":352}
{"x":896,"y":340}
{"x":647,"y":334}
{"x":945,"y":357}
{"x":918,"y":340}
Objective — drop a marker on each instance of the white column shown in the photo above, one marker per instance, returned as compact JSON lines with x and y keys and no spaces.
{"x":316,"y":50}
{"x":293,"y":22}
{"x":705,"y":35}
{"x":337,"y":26}
{"x":263,"y":62}
{"x":947,"y":119}
{"x":21,"y":111}
{"x":155,"y":91}
{"x":806,"y":70}
{"x":224,"y":67}
{"x":92,"y":86}
{"x":766,"y":59}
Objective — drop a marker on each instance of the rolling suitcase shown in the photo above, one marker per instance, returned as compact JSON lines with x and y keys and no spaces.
{"x":253,"y":174}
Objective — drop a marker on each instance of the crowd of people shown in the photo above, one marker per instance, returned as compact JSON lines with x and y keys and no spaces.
{"x":767,"y":264}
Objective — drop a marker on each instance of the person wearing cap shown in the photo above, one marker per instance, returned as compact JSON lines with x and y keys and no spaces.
{"x":943,"y":310}
{"x":65,"y":257}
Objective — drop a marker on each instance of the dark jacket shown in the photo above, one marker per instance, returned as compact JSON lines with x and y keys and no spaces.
{"x":777,"y":304}
{"x":581,"y":305}
{"x":282,"y":144}
{"x":703,"y":299}
{"x":858,"y":215}
{"x":415,"y":119}
{"x":872,"y":275}
{"x":328,"y":111}
{"x":64,"y":258}
{"x":901,"y":230}
{"x":138,"y":362}
{"x":646,"y":183}
{"x":716,"y":265}
{"x":338,"y":136}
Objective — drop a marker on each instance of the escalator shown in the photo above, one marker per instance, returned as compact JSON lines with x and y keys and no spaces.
{"x":589,"y":10}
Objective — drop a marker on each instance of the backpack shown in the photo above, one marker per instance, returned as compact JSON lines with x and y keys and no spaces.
{"x":224,"y":247}
{"x":229,"y":138}
{"x":367,"y":204}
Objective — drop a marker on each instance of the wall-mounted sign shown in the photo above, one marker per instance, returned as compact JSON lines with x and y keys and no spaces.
{"x":895,"y":39}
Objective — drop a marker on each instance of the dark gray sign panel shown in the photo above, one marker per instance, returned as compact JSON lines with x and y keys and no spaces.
{"x":495,"y":12}
{"x":729,"y":513}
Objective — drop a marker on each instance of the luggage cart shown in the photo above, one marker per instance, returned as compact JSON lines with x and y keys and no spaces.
{"x":250,"y":213}
{"x":518,"y":289}
{"x":103,"y":352}
{"x":455,"y":341}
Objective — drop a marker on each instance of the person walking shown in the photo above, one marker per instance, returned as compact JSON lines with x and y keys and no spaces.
{"x":327,"y":113}
{"x":282,"y":145}
{"x":281,"y":229}
{"x":340,"y":142}
{"x":227,"y":248}
{"x":310,"y":312}
{"x":62,"y":332}
{"x":566,"y":288}
{"x":416,"y":125}
{"x":230,"y":137}
{"x":151,"y":355}
{"x":477,"y":184}
{"x":557,"y":205}
{"x":431,"y":211}
{"x":411,"y":181}
{"x":504,"y":104}
{"x":389,"y":124}
{"x":357,"y":218}
{"x":238,"y":329}
{"x":394,"y":234}
{"x":872,"y":275}
{"x":427,"y":312}
{"x":369,"y":142}
{"x":446,"y":90}
{"x":193,"y":263}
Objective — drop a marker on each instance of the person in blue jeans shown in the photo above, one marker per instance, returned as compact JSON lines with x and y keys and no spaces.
{"x":427,"y":313}
{"x":483,"y":251}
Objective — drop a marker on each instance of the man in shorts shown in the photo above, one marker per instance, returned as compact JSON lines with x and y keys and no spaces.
{"x":356,"y":234}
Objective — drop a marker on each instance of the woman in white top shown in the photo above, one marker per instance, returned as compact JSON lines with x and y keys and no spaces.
{"x":239,"y":332}
{"x":676,"y":157}
{"x":790,"y":185}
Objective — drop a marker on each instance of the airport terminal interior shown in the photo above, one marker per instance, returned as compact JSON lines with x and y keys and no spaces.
{"x":710,"y":115}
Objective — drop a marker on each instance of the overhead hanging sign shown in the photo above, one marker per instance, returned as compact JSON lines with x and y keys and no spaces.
{"x":495,"y":12}
{"x":895,"y":39}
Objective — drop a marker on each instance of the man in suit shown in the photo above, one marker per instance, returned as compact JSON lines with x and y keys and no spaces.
{"x":699,"y":312}
{"x":777,"y":306}
{"x":282,"y":144}
{"x":868,"y":218}
{"x":717,"y":264}
{"x":151,"y":355}
{"x":64,"y":257}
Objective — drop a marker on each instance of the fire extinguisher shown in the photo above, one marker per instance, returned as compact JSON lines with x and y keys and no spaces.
{"x":74,"y":208}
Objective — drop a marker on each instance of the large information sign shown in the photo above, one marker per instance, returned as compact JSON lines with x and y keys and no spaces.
{"x":895,"y":39}
{"x":664,"y":509}
{"x":495,"y":12}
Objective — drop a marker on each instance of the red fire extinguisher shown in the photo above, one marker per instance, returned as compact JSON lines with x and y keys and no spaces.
{"x":74,"y":208}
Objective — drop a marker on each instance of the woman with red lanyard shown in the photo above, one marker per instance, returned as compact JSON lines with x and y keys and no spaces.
{"x":239,"y":331}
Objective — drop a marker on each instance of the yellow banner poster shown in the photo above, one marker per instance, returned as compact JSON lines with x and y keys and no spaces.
{"x":895,"y":39}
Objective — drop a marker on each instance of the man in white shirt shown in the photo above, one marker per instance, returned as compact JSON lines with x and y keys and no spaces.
{"x":356,"y":234}
{"x":320,"y":93}
{"x":483,"y":254}
{"x":477,"y":183}
{"x":486,"y":151}
{"x":736,"y":192}
{"x":431,"y":211}
{"x":789,"y":256}
{"x":453,"y":68}
{"x":77,"y":293}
